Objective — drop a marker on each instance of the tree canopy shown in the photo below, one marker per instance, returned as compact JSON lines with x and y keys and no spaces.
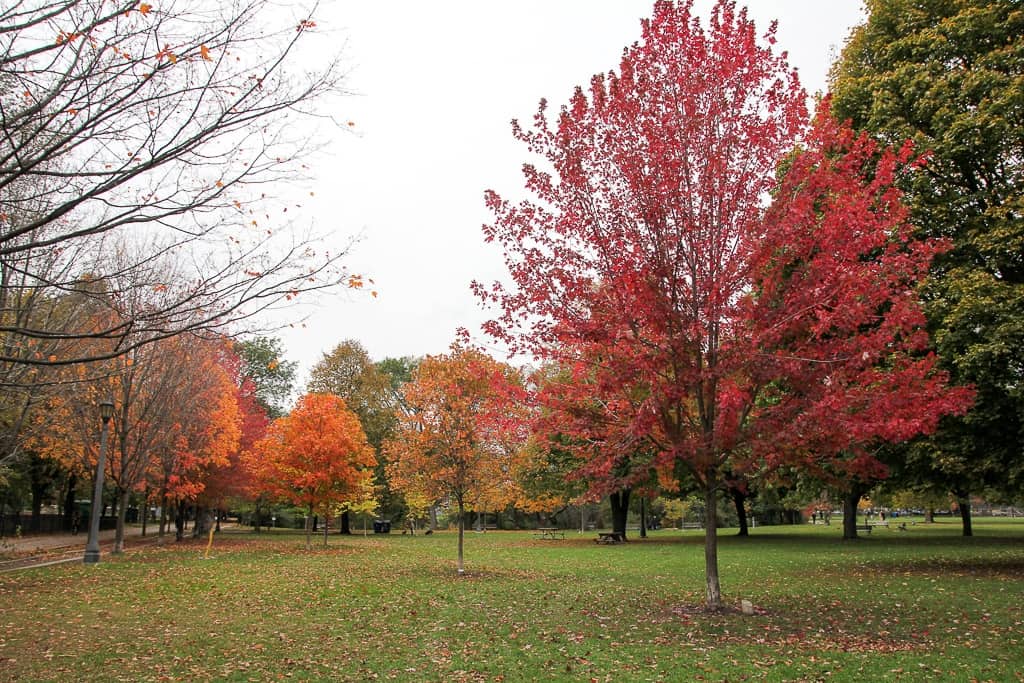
{"x":949,"y":76}
{"x":703,"y":320}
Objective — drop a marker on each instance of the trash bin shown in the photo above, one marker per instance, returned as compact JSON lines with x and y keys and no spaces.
{"x":382,"y":526}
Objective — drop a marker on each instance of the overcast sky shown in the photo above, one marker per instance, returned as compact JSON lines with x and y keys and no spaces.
{"x":438,"y":83}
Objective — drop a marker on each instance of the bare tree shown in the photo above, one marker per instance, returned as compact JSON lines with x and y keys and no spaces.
{"x":170,"y":123}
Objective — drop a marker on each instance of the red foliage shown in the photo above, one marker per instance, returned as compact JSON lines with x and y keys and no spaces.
{"x":840,"y":338}
{"x":696,"y":323}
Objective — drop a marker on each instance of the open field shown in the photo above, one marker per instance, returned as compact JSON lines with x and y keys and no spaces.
{"x":924,"y":604}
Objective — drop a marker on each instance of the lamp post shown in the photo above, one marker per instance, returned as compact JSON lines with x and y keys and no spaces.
{"x":92,"y":548}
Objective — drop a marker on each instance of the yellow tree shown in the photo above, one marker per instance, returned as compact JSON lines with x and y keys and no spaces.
{"x":453,"y":441}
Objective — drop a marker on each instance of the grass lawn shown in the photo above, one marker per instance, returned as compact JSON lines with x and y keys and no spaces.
{"x":924,"y":604}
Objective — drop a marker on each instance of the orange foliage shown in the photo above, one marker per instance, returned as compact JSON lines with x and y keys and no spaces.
{"x":317,"y":456}
{"x":454,"y":441}
{"x":206,"y":436}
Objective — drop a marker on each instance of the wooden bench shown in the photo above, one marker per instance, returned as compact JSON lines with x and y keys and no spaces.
{"x":863,"y":527}
{"x":549,"y":533}
{"x":609,"y":537}
{"x":691,"y":525}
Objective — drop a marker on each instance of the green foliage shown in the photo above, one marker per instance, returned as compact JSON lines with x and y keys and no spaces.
{"x":347,"y":371}
{"x":907,"y":605}
{"x":398,"y":370}
{"x":274,"y":378}
{"x":949,"y":75}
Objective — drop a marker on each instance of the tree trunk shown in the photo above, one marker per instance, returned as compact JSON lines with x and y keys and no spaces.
{"x":163,"y":516}
{"x":643,"y":517}
{"x":739,"y":499}
{"x":69,"y":502}
{"x":122,"y":511}
{"x":346,"y":529}
{"x":144,"y":509}
{"x":433,"y":518}
{"x":714,"y":588}
{"x":325,"y":530}
{"x":620,"y":511}
{"x":258,"y":511}
{"x":309,"y":529}
{"x":964,"y":503}
{"x":216,"y":520}
{"x":850,"y":501}
{"x":40,"y":480}
{"x":462,"y":530}
{"x":179,"y":522}
{"x":203,"y":523}
{"x":38,"y":491}
{"x":929,"y":515}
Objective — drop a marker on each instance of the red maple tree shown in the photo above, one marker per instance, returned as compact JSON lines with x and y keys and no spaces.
{"x":700,"y":320}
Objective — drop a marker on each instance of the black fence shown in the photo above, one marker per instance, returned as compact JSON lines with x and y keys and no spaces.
{"x":13,"y":524}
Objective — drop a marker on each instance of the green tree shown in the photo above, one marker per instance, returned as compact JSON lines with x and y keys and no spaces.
{"x":949,"y":75}
{"x":348,"y":371}
{"x":273,"y":377}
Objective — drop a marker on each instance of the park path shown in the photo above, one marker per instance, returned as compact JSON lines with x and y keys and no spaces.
{"x":22,"y":552}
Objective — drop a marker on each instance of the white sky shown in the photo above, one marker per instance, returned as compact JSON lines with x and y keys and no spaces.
{"x":438,"y":83}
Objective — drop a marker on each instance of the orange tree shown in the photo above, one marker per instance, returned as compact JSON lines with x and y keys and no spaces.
{"x":317,"y":457}
{"x":453,"y":441}
{"x":204,"y":429}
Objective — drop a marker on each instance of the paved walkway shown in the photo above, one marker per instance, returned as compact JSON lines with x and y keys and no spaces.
{"x":39,"y":543}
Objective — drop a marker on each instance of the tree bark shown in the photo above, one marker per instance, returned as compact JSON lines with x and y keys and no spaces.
{"x":179,"y":522}
{"x":163,"y":516}
{"x":929,"y":515}
{"x":620,"y":511}
{"x":38,"y":491}
{"x":739,"y":499}
{"x":643,"y":517}
{"x":964,"y":503}
{"x":462,"y":529}
{"x":309,"y":529}
{"x":144,"y":509}
{"x":714,"y":588}
{"x":851,"y":499}
{"x":346,"y":528}
{"x":122,"y":511}
{"x":69,"y":502}
{"x":198,"y":521}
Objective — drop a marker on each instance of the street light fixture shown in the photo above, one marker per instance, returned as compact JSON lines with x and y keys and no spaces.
{"x":92,"y":548}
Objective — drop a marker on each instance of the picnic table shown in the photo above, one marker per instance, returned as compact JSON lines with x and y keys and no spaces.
{"x":549,"y":532}
{"x":609,"y":537}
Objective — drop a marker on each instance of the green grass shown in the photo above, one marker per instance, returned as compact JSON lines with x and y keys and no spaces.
{"x":921,"y":605}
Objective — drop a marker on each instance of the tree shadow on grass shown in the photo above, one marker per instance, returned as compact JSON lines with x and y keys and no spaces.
{"x":946,"y":567}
